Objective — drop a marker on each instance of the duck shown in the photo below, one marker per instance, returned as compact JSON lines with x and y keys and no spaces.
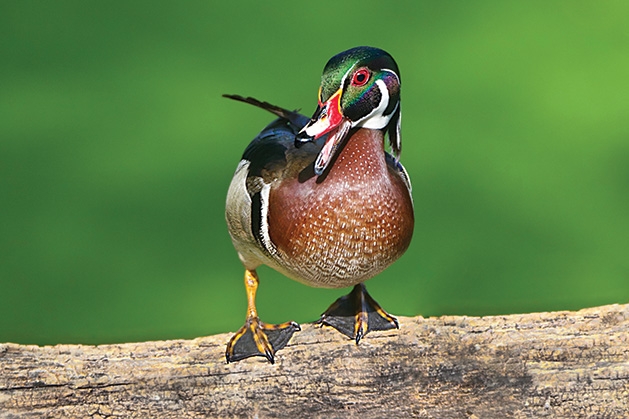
{"x":322,"y":202}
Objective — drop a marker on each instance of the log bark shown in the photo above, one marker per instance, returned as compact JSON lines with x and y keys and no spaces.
{"x":555,"y":365}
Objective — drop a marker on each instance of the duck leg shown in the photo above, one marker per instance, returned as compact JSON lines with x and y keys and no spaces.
{"x":357,"y":314}
{"x":256,"y":338}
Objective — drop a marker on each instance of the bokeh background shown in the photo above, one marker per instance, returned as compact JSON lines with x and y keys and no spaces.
{"x":116,"y":151}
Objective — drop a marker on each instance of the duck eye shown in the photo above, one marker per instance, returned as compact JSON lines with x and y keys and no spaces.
{"x":361,"y":77}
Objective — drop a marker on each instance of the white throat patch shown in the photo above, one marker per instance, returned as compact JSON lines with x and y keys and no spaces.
{"x":376,"y":119}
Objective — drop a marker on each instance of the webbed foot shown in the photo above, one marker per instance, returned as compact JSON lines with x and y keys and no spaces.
{"x":256,"y":338}
{"x":357,"y":314}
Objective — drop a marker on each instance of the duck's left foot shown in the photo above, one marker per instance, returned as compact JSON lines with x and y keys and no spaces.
{"x":357,"y":314}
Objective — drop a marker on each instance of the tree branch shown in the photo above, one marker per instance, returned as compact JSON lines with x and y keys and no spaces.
{"x":559,"y":365}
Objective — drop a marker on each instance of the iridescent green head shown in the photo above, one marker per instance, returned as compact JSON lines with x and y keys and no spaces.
{"x":360,"y":88}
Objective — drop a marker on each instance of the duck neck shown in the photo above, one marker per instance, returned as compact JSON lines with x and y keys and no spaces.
{"x":362,"y":156}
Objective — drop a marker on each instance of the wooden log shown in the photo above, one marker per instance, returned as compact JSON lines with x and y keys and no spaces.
{"x":555,"y":365}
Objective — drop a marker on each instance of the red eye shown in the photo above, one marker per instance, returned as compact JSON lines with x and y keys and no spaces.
{"x":361,"y":77}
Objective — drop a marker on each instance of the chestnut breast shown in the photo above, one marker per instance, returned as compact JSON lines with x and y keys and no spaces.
{"x":341,"y":229}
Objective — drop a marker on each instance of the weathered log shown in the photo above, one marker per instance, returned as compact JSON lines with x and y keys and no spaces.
{"x":559,"y":365}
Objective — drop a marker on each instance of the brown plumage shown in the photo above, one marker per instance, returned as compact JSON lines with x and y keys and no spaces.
{"x":347,"y":228}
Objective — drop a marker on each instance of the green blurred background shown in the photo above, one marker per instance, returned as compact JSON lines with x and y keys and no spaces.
{"x":116,"y":151}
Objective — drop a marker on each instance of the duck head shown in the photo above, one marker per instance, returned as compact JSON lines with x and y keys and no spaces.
{"x":360,"y":88}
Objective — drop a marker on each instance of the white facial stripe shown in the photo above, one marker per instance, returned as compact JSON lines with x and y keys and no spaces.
{"x":375,"y":119}
{"x":392,"y":72}
{"x":345,"y":76}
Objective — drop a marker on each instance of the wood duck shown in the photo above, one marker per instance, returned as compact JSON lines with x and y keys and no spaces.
{"x":319,"y":200}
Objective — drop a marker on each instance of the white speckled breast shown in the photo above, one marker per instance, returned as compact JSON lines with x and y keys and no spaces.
{"x":346,"y":228}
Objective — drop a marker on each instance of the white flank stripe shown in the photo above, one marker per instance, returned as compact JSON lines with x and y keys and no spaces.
{"x":264,"y":219}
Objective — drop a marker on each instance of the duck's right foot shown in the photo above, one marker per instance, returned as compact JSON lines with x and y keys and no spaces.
{"x":256,"y":338}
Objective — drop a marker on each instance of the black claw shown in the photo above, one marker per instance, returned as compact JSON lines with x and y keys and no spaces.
{"x":359,"y":335}
{"x":397,"y":324}
{"x":270,"y":357}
